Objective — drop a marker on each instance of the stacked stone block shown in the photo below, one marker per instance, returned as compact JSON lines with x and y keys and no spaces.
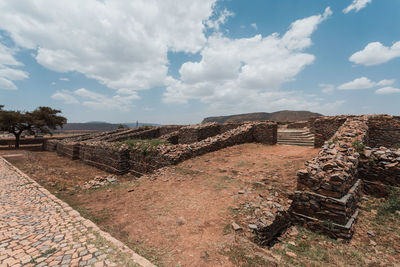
{"x":328,"y":189}
{"x":105,"y":157}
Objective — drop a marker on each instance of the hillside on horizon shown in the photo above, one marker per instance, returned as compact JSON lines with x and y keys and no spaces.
{"x":279,"y":116}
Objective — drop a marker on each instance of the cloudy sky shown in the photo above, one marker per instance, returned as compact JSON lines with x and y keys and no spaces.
{"x":178,"y":61}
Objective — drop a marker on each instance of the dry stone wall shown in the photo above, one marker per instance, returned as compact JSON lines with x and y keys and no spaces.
{"x":325,"y":127}
{"x":380,"y":168}
{"x":384,"y":130}
{"x":328,"y":189}
{"x":105,"y":157}
{"x":68,"y":149}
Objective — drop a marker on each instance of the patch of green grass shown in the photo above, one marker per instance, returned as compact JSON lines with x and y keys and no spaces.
{"x":142,"y":144}
{"x":243,"y":164}
{"x":115,"y":254}
{"x":44,"y":254}
{"x":392,"y":203}
{"x":241,"y":256}
{"x":97,"y":218}
{"x":359,"y":146}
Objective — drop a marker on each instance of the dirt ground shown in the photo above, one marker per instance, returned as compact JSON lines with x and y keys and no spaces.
{"x":182,"y":215}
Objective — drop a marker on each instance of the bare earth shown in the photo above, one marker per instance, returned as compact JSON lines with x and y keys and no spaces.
{"x":182,"y":215}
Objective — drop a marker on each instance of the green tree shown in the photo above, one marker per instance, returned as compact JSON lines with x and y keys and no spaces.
{"x":42,"y":119}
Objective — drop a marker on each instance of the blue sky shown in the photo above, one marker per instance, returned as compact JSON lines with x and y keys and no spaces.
{"x":168,"y":61}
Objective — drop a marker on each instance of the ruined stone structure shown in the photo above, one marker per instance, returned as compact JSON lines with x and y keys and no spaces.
{"x":105,"y":152}
{"x":357,"y":153}
{"x":328,"y":189}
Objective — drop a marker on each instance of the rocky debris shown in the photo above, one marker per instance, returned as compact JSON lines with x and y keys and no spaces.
{"x":99,"y":181}
{"x":290,"y":254}
{"x":236,"y":226}
{"x":181,"y":220}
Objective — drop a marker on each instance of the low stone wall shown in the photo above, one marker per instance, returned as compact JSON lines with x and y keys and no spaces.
{"x":264,"y":132}
{"x":50,"y":145}
{"x":380,"y":168}
{"x":298,"y":124}
{"x":325,"y":127}
{"x":329,"y":187}
{"x":328,"y":208}
{"x":106,"y":157}
{"x":198,"y":132}
{"x":152,"y":133}
{"x":384,"y":130}
{"x":68,"y":149}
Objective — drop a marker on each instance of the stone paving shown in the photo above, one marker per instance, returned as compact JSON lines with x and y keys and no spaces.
{"x":38,"y":229}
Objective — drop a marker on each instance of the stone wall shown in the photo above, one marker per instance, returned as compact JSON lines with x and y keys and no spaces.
{"x":68,"y":149}
{"x":152,"y":133}
{"x":380,"y":168}
{"x":325,"y":127}
{"x":198,"y":132}
{"x":328,"y":188}
{"x":298,"y":124}
{"x":50,"y":145}
{"x":384,"y":130}
{"x":106,"y":157}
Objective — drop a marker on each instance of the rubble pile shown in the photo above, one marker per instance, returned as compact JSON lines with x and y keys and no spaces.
{"x":99,"y":181}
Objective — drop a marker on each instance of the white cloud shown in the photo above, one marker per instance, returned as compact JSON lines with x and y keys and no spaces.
{"x":65,"y":96}
{"x":95,"y":100}
{"x":246,"y":73}
{"x":254,"y":26}
{"x":53,"y":83}
{"x":64,"y":79}
{"x":357,"y":84}
{"x":327,"y":88}
{"x":387,"y":90}
{"x":122,"y":44}
{"x":8,"y":73}
{"x":385,"y":82}
{"x":375,"y":53}
{"x":357,"y":5}
{"x":364,"y":83}
{"x":223,"y":17}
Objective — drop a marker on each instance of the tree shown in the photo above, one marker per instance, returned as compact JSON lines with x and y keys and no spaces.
{"x":42,"y":119}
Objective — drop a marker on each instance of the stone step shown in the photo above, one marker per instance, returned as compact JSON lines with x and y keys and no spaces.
{"x":296,"y":138}
{"x":295,"y":144}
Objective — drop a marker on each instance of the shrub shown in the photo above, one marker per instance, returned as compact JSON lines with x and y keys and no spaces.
{"x":359,"y":146}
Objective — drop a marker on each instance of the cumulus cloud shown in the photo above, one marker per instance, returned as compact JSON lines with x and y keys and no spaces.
{"x":356,"y":5}
{"x":95,"y":100}
{"x":364,"y":83}
{"x":122,"y":44}
{"x":8,"y":72}
{"x":64,"y":79}
{"x":387,"y":91}
{"x":65,"y":96}
{"x":222,"y":19}
{"x":246,"y":73}
{"x":254,"y":26}
{"x":327,"y":88}
{"x":375,"y":53}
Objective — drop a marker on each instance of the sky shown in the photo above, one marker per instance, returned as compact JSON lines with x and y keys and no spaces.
{"x":170,"y":61}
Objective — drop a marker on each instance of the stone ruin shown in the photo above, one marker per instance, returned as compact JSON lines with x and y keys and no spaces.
{"x":358,"y":153}
{"x":107,"y":151}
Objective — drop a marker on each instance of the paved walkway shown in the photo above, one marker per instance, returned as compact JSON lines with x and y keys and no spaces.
{"x":38,"y":229}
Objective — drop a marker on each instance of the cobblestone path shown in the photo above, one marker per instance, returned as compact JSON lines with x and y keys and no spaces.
{"x":38,"y":229}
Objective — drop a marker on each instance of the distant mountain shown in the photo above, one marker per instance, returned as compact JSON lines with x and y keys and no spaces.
{"x":100,"y":126}
{"x":284,"y":115}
